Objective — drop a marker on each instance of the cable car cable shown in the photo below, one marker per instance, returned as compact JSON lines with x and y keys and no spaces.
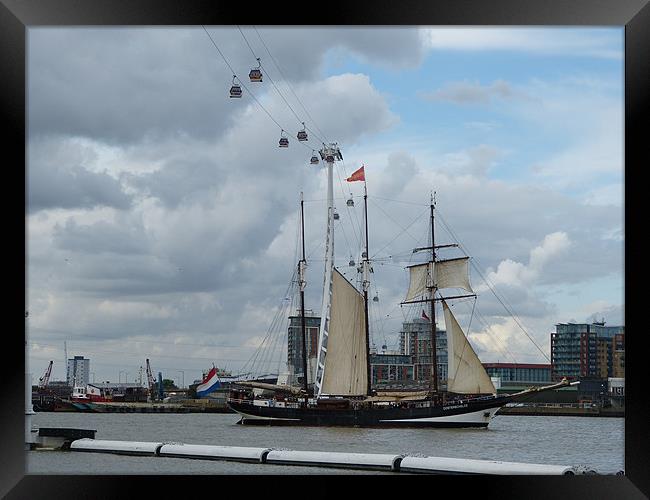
{"x":247,"y":89}
{"x":291,"y":88}
{"x":270,"y":79}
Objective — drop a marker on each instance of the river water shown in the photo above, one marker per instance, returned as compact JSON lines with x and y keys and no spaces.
{"x":597,"y":443}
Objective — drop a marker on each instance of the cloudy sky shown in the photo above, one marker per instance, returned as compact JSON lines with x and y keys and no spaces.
{"x":162,"y":216}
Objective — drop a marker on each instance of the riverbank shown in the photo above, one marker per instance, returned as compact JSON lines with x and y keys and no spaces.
{"x":184,"y":406}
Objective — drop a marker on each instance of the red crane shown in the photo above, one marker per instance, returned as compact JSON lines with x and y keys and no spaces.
{"x":45,"y":379}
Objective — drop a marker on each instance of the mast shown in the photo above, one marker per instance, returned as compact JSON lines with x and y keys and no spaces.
{"x":303,"y":283}
{"x":329,"y":153}
{"x":434,"y":357}
{"x":366,"y":285}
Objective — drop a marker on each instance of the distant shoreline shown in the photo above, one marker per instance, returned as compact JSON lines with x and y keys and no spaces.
{"x":560,"y":411}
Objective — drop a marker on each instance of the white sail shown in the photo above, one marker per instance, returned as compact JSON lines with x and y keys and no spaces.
{"x":345,"y":371}
{"x":452,"y":273}
{"x":419,"y":282}
{"x":466,"y":374}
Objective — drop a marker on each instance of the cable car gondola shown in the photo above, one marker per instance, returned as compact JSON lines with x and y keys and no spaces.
{"x":256,"y":73}
{"x":350,"y":202}
{"x":302,"y":135}
{"x":284,"y":141}
{"x":235,"y":90}
{"x":314,"y":158}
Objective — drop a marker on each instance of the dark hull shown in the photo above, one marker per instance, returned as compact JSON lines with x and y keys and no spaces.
{"x":468,"y":413}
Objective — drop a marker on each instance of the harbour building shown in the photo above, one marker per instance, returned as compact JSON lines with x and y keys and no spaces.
{"x":587,"y":351}
{"x":78,"y":372}
{"x":415,"y":341}
{"x":390,"y":369}
{"x":408,"y":367}
{"x":618,"y":356}
{"x":524,"y":374}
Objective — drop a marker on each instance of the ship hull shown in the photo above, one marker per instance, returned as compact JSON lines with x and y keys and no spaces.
{"x":469,"y":413}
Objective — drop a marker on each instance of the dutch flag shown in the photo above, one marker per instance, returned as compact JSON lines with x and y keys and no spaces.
{"x":209,"y":384}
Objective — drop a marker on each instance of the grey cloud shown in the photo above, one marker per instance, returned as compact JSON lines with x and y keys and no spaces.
{"x":221,"y":171}
{"x":57,"y":186}
{"x":394,"y":47}
{"x":125,"y":85}
{"x":219,"y":208}
{"x":100,"y":237}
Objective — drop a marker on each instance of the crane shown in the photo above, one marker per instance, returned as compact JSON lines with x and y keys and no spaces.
{"x":45,"y":379}
{"x":151,"y":382}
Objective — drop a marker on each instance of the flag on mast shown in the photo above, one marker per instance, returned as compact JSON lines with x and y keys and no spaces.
{"x":424,"y":316}
{"x":359,"y":175}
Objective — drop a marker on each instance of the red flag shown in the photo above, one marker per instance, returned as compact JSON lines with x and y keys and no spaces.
{"x":424,"y":315}
{"x":359,"y":175}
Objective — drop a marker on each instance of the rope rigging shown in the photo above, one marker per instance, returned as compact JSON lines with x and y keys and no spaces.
{"x":492,"y":288}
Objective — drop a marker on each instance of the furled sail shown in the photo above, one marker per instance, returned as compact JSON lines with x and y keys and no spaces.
{"x":450,"y":273}
{"x":345,"y":370}
{"x":466,"y":374}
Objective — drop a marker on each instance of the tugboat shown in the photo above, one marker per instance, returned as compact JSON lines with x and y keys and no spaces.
{"x":88,"y":394}
{"x":341,"y":394}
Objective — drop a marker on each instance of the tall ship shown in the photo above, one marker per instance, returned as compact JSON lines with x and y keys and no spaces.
{"x":341,"y":392}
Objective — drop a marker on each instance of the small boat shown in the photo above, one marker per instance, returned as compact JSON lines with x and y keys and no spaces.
{"x":88,"y":394}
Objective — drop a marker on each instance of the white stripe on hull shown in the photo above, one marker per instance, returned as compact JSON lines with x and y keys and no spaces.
{"x":476,"y":417}
{"x":259,"y":417}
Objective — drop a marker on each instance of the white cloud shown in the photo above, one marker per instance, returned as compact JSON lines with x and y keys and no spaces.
{"x":554,"y":41}
{"x":513,"y":273}
{"x":467,"y":92}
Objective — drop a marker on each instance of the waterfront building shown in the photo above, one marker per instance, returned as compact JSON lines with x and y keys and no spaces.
{"x":415,"y":341}
{"x":294,"y":346}
{"x":587,"y":350}
{"x":391,"y":368}
{"x":526,"y":374}
{"x":406,"y":367}
{"x":78,"y":372}
{"x":618,"y":356}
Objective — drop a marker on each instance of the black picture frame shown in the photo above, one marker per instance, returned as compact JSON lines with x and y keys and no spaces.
{"x":16,"y":16}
